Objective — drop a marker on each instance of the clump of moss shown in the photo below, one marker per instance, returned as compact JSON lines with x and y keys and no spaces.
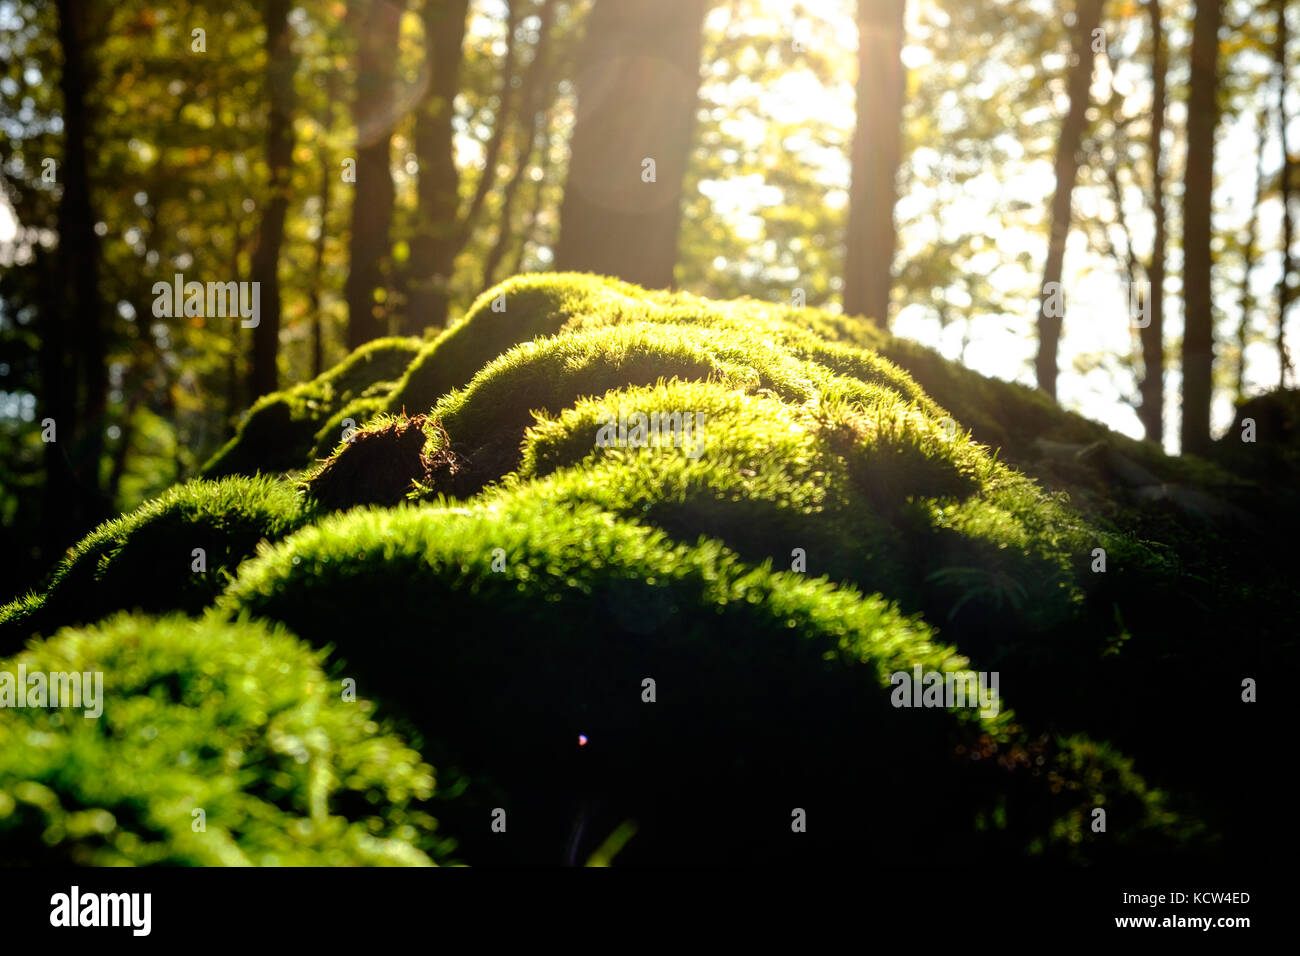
{"x":172,"y":553}
{"x":218,"y":744}
{"x":1264,"y":439}
{"x":1008,"y":572}
{"x":484,"y":422}
{"x":279,"y":431}
{"x":881,"y":496}
{"x":506,"y":315}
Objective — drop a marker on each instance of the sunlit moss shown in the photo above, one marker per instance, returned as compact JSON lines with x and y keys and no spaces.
{"x":279,"y":431}
{"x":217,"y":745}
{"x":173,"y":553}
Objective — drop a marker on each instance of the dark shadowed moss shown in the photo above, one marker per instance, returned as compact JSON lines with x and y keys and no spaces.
{"x":375,"y":466}
{"x":770,"y":688}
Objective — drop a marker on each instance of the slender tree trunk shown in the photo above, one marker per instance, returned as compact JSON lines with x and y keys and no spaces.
{"x":235,"y":403}
{"x":436,"y":240}
{"x":327,"y":174}
{"x":1198,"y":307}
{"x":1087,"y":16}
{"x":376,"y":24}
{"x":539,"y":200}
{"x":59,"y":520}
{"x":123,"y":450}
{"x":877,"y":150}
{"x":637,"y":97}
{"x":1249,"y":254}
{"x":281,"y":65}
{"x":73,"y":366}
{"x":537,"y":85}
{"x":505,"y":233}
{"x":502,"y":121}
{"x":1152,"y":338}
{"x":329,"y":169}
{"x":1285,"y":294}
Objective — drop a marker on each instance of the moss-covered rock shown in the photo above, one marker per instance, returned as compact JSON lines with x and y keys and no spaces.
{"x":207,"y":744}
{"x":174,"y":553}
{"x":547,"y":556}
{"x":279,"y":431}
{"x":771,"y":691}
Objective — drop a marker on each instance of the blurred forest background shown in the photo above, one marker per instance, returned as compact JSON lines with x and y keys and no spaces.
{"x":944,"y":166}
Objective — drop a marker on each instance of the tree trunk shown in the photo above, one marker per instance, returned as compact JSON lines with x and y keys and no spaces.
{"x":1198,"y":332}
{"x":327,"y":173}
{"x":1249,"y":255}
{"x":505,"y":235}
{"x":1285,"y":294}
{"x":376,"y":25}
{"x":265,"y":264}
{"x":1152,"y":338}
{"x":877,"y":150}
{"x":73,"y":366}
{"x":537,"y":85}
{"x":503,"y":117}
{"x":435,"y":243}
{"x":235,"y":403}
{"x":637,"y":97}
{"x":539,"y":199}
{"x":1087,"y":16}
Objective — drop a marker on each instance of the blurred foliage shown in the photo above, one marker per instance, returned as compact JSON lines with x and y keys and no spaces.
{"x":237,"y":721}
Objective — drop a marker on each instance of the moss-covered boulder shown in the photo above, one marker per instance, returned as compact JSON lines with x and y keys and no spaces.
{"x":279,"y":431}
{"x":619,"y":555}
{"x":713,"y":697}
{"x":174,"y":553}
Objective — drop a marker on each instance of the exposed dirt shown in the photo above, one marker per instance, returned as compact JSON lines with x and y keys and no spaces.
{"x":381,"y":465}
{"x":377,"y":467}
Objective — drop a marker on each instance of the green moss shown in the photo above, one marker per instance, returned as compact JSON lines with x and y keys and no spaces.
{"x":146,"y":559}
{"x":1006,"y":416}
{"x":551,"y":373}
{"x":354,"y":415}
{"x":526,"y":307}
{"x":279,"y":431}
{"x":238,"y":721}
{"x":484,"y":422}
{"x":545,"y":575}
{"x":770,"y":687}
{"x":881,"y":496}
